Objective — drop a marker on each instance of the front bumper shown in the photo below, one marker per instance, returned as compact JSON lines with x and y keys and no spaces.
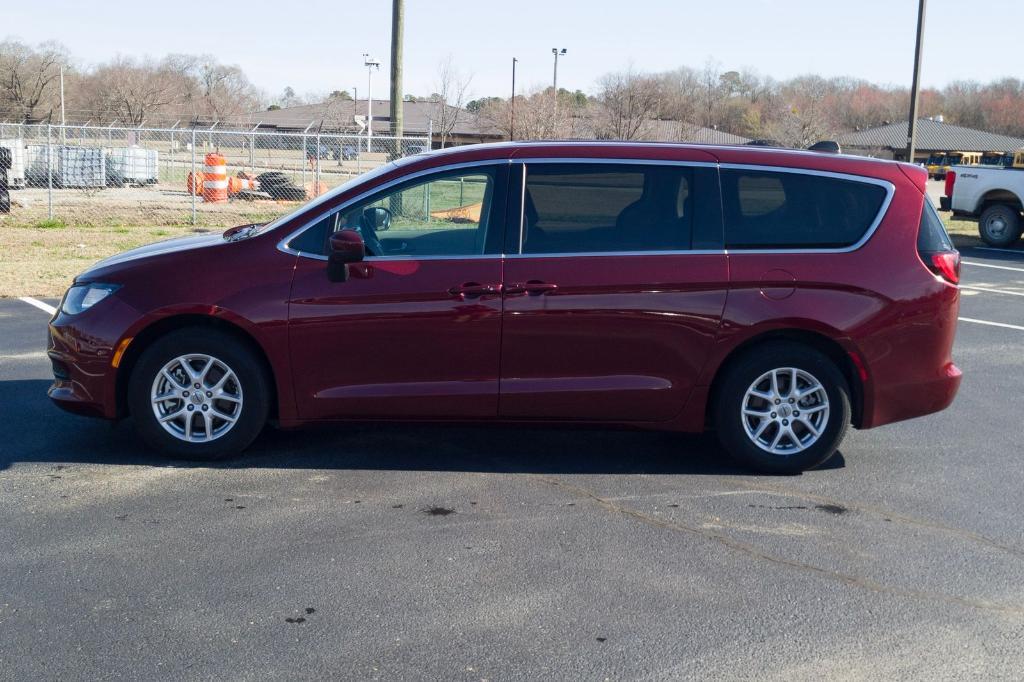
{"x":81,"y":349}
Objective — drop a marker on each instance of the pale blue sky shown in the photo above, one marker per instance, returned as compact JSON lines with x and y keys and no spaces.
{"x":316,"y":45}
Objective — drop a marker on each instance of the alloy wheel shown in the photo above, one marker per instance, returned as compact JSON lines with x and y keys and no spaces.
{"x":785,"y":411}
{"x":196,"y":398}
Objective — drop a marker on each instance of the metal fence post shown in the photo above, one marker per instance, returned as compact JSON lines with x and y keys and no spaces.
{"x":49,"y":172}
{"x":195,"y":180}
{"x":304,"y":162}
{"x":316,"y":180}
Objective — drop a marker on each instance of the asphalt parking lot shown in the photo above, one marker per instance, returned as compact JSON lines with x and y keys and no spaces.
{"x":412,"y":552}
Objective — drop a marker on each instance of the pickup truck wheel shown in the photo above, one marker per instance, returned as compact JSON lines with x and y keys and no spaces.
{"x":999,"y":225}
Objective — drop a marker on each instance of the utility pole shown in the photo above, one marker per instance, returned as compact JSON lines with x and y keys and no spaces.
{"x":558,"y":53}
{"x":915,"y":88}
{"x":397,"y":36}
{"x":512,"y":105}
{"x":63,"y":122}
{"x":370,"y":63}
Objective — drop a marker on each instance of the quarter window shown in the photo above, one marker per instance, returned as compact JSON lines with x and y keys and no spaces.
{"x":583,"y":208}
{"x":773,"y":210}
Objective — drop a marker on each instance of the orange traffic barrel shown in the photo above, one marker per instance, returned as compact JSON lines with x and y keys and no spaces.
{"x":215,"y":178}
{"x":236,"y":185}
{"x":195,"y":183}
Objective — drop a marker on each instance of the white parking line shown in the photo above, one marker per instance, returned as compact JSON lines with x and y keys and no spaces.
{"x":992,"y":248}
{"x":35,"y":355}
{"x":992,"y":324}
{"x":996,"y":267}
{"x":993,"y":291}
{"x":45,"y":307}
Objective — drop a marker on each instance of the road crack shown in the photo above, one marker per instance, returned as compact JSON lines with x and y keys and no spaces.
{"x":754,"y":552}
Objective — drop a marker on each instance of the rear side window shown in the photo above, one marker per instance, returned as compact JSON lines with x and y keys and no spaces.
{"x":782,"y":210}
{"x":932,"y":236}
{"x":590,"y":208}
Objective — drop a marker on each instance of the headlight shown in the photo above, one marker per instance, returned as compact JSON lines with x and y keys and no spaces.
{"x":81,"y":297}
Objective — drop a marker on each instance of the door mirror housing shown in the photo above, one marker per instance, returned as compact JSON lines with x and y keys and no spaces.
{"x":377,"y":218}
{"x":347,"y":247}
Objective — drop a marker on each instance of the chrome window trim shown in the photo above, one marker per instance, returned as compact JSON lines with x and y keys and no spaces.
{"x":890,"y":191}
{"x":605,"y":254}
{"x":522,"y":209}
{"x":618,"y":161}
{"x":594,"y":160}
{"x":889,"y":188}
{"x":282,"y":245}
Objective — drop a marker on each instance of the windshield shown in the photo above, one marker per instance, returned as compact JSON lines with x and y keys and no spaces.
{"x":935,"y":160}
{"x":344,"y":187}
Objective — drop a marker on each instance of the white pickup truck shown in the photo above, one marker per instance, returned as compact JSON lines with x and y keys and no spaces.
{"x":994,"y":196}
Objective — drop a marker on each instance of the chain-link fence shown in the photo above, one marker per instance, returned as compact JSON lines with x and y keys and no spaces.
{"x":110,"y":176}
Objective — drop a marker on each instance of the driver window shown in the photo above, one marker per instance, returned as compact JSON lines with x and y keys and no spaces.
{"x":443,"y":216}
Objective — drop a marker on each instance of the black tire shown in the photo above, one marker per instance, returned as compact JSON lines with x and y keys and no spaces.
{"x":741,"y":375}
{"x":1000,"y":225}
{"x":273,"y":179}
{"x":247,"y":367}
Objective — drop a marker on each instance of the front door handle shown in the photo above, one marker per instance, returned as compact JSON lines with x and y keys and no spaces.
{"x":474,"y":290}
{"x":534,"y":287}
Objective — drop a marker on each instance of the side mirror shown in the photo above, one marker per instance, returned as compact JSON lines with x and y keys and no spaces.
{"x":347,"y":247}
{"x":377,"y":218}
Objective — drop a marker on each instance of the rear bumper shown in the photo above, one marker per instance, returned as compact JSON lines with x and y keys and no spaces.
{"x":945,"y":203}
{"x":897,"y":402}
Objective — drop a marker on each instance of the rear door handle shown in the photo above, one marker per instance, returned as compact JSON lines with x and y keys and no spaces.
{"x":534,"y":287}
{"x":474,"y":290}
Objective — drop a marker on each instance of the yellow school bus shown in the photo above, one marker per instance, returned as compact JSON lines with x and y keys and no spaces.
{"x":934,"y":163}
{"x":1018,"y":158}
{"x":1000,"y":159}
{"x":952,"y":159}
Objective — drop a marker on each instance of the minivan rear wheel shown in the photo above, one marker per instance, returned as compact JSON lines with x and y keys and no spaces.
{"x":198,"y":394}
{"x":782,"y":408}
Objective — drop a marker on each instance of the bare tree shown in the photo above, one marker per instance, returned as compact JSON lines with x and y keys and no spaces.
{"x":539,"y":115}
{"x":680,"y":90}
{"x":626,"y":102}
{"x":28,"y":79}
{"x":128,"y":91}
{"x":449,"y":97}
{"x":225,"y":91}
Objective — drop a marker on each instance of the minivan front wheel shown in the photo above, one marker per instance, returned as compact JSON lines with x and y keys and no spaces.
{"x":782,"y":408}
{"x":198,"y":394}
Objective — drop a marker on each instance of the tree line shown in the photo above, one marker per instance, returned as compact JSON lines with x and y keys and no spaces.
{"x":122,"y":91}
{"x":632,"y":105}
{"x":629,"y":105}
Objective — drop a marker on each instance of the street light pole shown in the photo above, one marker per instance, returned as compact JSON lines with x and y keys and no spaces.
{"x":512,"y":122}
{"x":370,"y":63}
{"x":558,"y":53}
{"x":915,"y":88}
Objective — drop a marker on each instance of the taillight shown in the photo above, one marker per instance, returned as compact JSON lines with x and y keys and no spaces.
{"x":935,"y":247}
{"x":945,"y":264}
{"x":950,"y":181}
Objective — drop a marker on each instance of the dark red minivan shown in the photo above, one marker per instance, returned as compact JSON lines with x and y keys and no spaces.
{"x":774,"y":296}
